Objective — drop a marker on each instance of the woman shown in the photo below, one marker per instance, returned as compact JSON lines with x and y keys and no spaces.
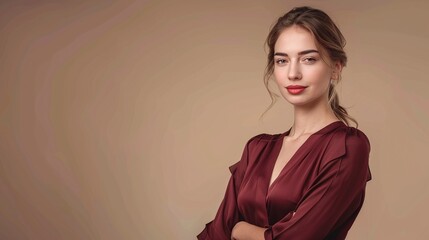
{"x":308,"y":182}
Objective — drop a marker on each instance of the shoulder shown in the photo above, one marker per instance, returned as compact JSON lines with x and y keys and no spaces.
{"x":257,"y":143}
{"x":262,"y":139}
{"x":254,"y":143}
{"x":356,"y":140}
{"x":356,"y":150}
{"x":265,"y":137}
{"x":347,"y":142}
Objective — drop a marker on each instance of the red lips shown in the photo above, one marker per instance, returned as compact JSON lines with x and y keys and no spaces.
{"x":295,"y":89}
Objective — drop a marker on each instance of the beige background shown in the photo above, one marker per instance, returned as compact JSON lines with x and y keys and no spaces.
{"x":119,"y":119}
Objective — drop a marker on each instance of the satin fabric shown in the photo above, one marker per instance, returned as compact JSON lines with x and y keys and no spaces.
{"x":323,"y":184}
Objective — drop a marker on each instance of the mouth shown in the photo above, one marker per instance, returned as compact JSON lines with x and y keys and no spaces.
{"x":295,"y":89}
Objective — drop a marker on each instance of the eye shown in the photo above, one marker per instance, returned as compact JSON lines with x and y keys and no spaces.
{"x":280,"y":61}
{"x":309,"y":60}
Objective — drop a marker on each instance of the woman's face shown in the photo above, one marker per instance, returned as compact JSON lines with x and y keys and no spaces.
{"x":302,"y":76}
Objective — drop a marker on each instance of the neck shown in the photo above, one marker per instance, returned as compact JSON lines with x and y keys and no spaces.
{"x":310,"y":119}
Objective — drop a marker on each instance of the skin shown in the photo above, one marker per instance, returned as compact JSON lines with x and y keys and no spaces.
{"x":311,"y":107}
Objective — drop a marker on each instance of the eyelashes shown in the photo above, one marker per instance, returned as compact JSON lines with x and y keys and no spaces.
{"x":308,"y":60}
{"x":280,"y":61}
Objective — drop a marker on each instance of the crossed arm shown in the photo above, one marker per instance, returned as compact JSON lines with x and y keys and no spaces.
{"x":246,"y":231}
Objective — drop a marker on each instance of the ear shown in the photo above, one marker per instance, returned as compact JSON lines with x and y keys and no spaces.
{"x":336,"y":70}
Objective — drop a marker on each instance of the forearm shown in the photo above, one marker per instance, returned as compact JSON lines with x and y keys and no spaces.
{"x":246,"y":231}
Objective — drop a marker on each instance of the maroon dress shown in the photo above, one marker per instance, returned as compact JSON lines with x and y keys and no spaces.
{"x":323,"y":183}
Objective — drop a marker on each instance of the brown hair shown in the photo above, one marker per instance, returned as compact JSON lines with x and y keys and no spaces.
{"x":329,"y":41}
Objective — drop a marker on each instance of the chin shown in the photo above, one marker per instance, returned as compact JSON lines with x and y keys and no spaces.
{"x":302,"y":102}
{"x":298,"y":104}
{"x":295,"y":100}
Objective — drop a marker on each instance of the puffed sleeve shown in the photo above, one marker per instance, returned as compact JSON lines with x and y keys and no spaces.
{"x":330,"y":205}
{"x":228,"y":214}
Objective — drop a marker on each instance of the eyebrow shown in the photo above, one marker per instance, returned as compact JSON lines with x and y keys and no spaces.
{"x":299,"y":53}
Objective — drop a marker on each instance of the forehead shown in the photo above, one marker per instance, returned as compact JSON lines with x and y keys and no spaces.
{"x":294,"y":39}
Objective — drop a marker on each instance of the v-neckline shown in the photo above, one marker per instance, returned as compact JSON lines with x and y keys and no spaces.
{"x":292,"y":158}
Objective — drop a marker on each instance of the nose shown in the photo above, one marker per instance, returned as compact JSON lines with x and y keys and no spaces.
{"x":294,"y":71}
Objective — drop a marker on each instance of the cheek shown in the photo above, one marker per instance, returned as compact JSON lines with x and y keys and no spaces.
{"x":279,"y":75}
{"x":320,"y":75}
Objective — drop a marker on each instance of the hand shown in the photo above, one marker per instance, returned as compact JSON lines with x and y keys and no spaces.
{"x":246,"y":231}
{"x":236,"y":230}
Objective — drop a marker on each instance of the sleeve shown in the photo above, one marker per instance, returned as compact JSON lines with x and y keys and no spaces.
{"x":330,"y":205}
{"x":228,"y":214}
